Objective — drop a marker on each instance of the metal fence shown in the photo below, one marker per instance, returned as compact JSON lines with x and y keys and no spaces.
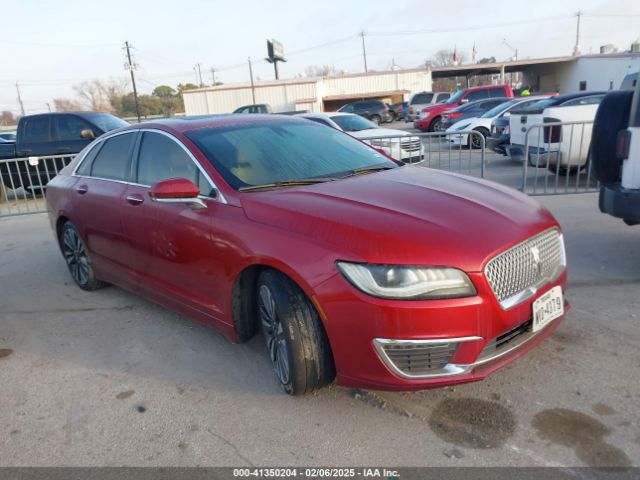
{"x":461,"y":151}
{"x":556,"y":159}
{"x":23,"y":181}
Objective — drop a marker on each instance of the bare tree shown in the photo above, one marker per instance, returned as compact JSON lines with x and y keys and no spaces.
{"x":67,"y":105}
{"x":318,"y":71}
{"x":100,"y":96}
{"x":444,"y":58}
{"x":8,"y":118}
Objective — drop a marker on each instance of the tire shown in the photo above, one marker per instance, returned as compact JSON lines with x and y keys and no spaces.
{"x":77,"y":258}
{"x":296,"y":341}
{"x":435,"y":123}
{"x":474,"y":140}
{"x":611,"y":117}
{"x":392,"y":117}
{"x":376,"y":119}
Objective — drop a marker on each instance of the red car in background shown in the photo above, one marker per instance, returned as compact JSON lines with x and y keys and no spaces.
{"x":431,"y":116}
{"x":393,"y":277}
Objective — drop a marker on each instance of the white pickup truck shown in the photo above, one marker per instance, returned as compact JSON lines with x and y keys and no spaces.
{"x":616,"y":153}
{"x":561,"y":148}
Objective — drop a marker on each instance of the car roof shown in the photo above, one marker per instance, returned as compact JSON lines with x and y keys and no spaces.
{"x":327,"y":114}
{"x":560,"y":99}
{"x":198,"y":122}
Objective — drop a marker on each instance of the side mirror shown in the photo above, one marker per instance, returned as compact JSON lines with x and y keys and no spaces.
{"x":177,"y":190}
{"x":87,"y":133}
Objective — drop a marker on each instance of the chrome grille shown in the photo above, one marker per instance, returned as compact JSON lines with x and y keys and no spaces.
{"x":411,"y":144}
{"x":516,"y":273}
{"x":416,"y":359}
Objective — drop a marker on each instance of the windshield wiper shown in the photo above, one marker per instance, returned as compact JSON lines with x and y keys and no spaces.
{"x":363,"y":170}
{"x":286,"y":183}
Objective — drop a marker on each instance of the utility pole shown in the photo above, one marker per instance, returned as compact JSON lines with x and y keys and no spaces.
{"x":198,"y":74}
{"x":213,"y":76}
{"x":253,"y":89}
{"x":49,"y":107}
{"x":131,"y":67}
{"x":576,"y":49}
{"x":20,"y":99}
{"x":364,"y":53}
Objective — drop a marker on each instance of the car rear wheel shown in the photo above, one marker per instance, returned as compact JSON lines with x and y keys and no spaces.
{"x":77,"y":258}
{"x":296,"y":341}
{"x":376,"y":119}
{"x":474,"y":140}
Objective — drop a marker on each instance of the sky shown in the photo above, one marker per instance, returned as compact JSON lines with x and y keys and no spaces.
{"x":47,"y":47}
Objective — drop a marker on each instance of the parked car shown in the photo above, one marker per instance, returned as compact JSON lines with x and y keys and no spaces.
{"x":279,"y":225}
{"x":373,"y":110}
{"x":50,"y":134}
{"x":401,"y":145}
{"x":615,"y":152}
{"x":262,"y":108}
{"x":431,"y":116}
{"x":7,"y":136}
{"x":484,"y":122}
{"x":561,"y":148}
{"x":467,"y":111}
{"x":423,"y":99}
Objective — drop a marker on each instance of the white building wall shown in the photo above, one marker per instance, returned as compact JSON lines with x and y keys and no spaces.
{"x":283,"y":96}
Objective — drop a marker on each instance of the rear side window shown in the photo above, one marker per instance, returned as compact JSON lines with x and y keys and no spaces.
{"x":477,"y":95}
{"x":497,"y":93}
{"x":36,"y":130}
{"x":347,"y":108}
{"x":87,"y":161}
{"x":590,"y":100}
{"x":113,"y":160}
{"x":69,"y":127}
{"x":443,"y":96}
{"x":162,"y":158}
{"x":423,"y":98}
{"x":490,"y":104}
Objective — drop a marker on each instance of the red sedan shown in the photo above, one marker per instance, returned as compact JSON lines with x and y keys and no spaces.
{"x":392,"y":277}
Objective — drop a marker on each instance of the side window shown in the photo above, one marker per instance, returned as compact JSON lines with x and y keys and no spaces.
{"x":70,"y":126}
{"x":497,"y":93}
{"x":36,"y":130}
{"x":87,"y":161}
{"x":322,"y":121}
{"x":443,"y":96}
{"x":477,"y":95}
{"x":348,"y":108}
{"x":490,"y":104}
{"x":162,"y":158}
{"x":112,"y":161}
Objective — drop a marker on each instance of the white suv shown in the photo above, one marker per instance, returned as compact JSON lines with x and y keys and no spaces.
{"x":616,"y":153}
{"x":423,"y":99}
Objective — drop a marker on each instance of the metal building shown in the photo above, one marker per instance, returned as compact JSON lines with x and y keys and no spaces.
{"x":311,"y":94}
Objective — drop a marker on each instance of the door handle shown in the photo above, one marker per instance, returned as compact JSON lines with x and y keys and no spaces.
{"x":82,"y":189}
{"x":135,"y":199}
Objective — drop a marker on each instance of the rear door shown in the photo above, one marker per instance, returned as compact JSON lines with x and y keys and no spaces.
{"x":36,"y":137}
{"x":98,"y":191}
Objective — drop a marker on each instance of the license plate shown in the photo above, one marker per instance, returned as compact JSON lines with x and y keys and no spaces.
{"x":547,"y":308}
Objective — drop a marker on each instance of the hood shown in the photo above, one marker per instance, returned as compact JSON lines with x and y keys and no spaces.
{"x":408,"y":215}
{"x":378,"y":132}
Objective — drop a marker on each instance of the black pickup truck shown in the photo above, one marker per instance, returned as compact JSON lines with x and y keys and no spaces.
{"x":47,"y":135}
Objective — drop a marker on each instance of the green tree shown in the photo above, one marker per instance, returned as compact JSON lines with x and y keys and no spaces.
{"x":164,"y":91}
{"x":186,"y":86}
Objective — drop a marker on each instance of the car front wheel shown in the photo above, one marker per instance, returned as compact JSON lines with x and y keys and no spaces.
{"x":296,"y":341}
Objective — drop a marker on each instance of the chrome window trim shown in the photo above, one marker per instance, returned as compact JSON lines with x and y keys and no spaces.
{"x":219,"y":195}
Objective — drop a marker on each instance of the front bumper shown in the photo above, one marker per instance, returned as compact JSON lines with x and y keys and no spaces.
{"x":359,"y":326}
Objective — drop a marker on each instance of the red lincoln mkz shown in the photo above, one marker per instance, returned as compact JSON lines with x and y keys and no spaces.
{"x":392,"y":277}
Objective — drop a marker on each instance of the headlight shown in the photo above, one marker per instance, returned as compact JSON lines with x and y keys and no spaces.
{"x":408,"y":283}
{"x":381,"y":142}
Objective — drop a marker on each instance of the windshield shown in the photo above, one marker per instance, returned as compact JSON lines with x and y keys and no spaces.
{"x":353,"y":123}
{"x":260,"y":154}
{"x":106,"y":121}
{"x":498,"y":109}
{"x":455,"y":97}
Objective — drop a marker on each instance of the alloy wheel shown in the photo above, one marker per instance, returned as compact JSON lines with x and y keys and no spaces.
{"x":75,"y":256}
{"x":274,"y":334}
